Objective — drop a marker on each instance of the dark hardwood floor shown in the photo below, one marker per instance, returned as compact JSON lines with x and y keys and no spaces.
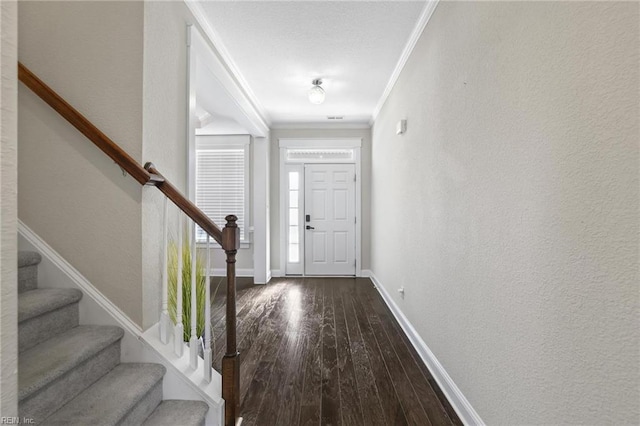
{"x":326,"y":351}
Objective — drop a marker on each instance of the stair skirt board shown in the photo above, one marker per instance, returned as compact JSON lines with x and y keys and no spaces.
{"x":179,"y":383}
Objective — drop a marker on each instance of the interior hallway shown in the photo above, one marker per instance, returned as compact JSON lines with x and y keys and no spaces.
{"x":326,"y":351}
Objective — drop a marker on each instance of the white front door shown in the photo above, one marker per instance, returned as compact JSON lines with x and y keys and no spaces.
{"x":329,"y":219}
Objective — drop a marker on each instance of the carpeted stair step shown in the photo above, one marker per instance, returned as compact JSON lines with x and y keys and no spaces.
{"x":28,"y":270}
{"x":175,"y":412}
{"x":45,"y":313}
{"x":125,"y":396}
{"x":56,"y":371}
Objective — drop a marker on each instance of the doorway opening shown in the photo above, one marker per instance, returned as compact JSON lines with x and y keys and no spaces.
{"x":227,"y":158}
{"x":320,"y":200}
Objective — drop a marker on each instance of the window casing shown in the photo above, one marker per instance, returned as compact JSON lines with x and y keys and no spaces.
{"x":222,"y":180}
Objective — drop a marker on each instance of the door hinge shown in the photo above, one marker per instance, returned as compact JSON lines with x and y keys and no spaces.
{"x":355,"y":177}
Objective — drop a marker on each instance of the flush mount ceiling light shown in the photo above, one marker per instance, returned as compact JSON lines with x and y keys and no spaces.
{"x":316,"y":93}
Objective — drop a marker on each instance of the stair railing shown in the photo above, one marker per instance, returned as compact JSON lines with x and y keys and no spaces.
{"x":228,"y":238}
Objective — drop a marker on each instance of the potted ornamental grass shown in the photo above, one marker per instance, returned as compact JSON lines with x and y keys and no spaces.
{"x":186,"y":289}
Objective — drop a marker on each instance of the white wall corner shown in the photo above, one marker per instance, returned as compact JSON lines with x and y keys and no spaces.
{"x":454,"y":395}
{"x":260,"y":204}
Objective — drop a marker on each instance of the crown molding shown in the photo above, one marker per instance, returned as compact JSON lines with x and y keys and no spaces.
{"x":425,"y":16}
{"x":214,"y":38}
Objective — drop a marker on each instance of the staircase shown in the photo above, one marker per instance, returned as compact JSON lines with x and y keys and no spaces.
{"x":71,"y":374}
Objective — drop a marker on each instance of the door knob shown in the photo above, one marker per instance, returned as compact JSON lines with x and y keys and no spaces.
{"x":310,"y":227}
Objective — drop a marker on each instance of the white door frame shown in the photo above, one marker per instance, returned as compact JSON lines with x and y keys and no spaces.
{"x":354,"y":144}
{"x":201,"y":51}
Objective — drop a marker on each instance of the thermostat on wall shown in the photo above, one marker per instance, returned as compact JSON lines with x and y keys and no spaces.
{"x":401,"y":127}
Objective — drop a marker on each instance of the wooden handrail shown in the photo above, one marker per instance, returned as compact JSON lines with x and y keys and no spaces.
{"x":229,"y":238}
{"x":147,"y":175}
{"x":184,"y":204}
{"x":85,"y":127}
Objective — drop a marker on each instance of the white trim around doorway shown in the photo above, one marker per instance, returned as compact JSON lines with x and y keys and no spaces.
{"x":312,"y":143}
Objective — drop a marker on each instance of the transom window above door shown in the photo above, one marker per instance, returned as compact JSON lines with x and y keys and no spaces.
{"x":336,"y":155}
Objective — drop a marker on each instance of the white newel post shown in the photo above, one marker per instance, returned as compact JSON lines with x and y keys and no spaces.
{"x":179,"y":329}
{"x":193,"y":342}
{"x":164,"y":315}
{"x":207,"y":318}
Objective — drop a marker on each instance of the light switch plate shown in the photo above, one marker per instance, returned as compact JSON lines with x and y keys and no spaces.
{"x":401,"y":127}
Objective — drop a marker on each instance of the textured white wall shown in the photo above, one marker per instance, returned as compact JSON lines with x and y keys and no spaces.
{"x":164,"y":130}
{"x":274,"y":181}
{"x":70,"y":193}
{"x":509,"y":209}
{"x":8,"y":209}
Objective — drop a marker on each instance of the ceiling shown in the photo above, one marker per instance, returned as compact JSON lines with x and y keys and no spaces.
{"x":216,"y":111}
{"x":276,"y":49}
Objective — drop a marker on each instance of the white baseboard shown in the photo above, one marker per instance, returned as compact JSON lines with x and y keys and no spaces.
{"x":96,"y":309}
{"x":455,"y":397}
{"x":221,"y":272}
{"x":276,"y":273}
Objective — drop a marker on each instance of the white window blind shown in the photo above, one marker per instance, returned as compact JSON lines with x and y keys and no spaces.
{"x":222,"y":181}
